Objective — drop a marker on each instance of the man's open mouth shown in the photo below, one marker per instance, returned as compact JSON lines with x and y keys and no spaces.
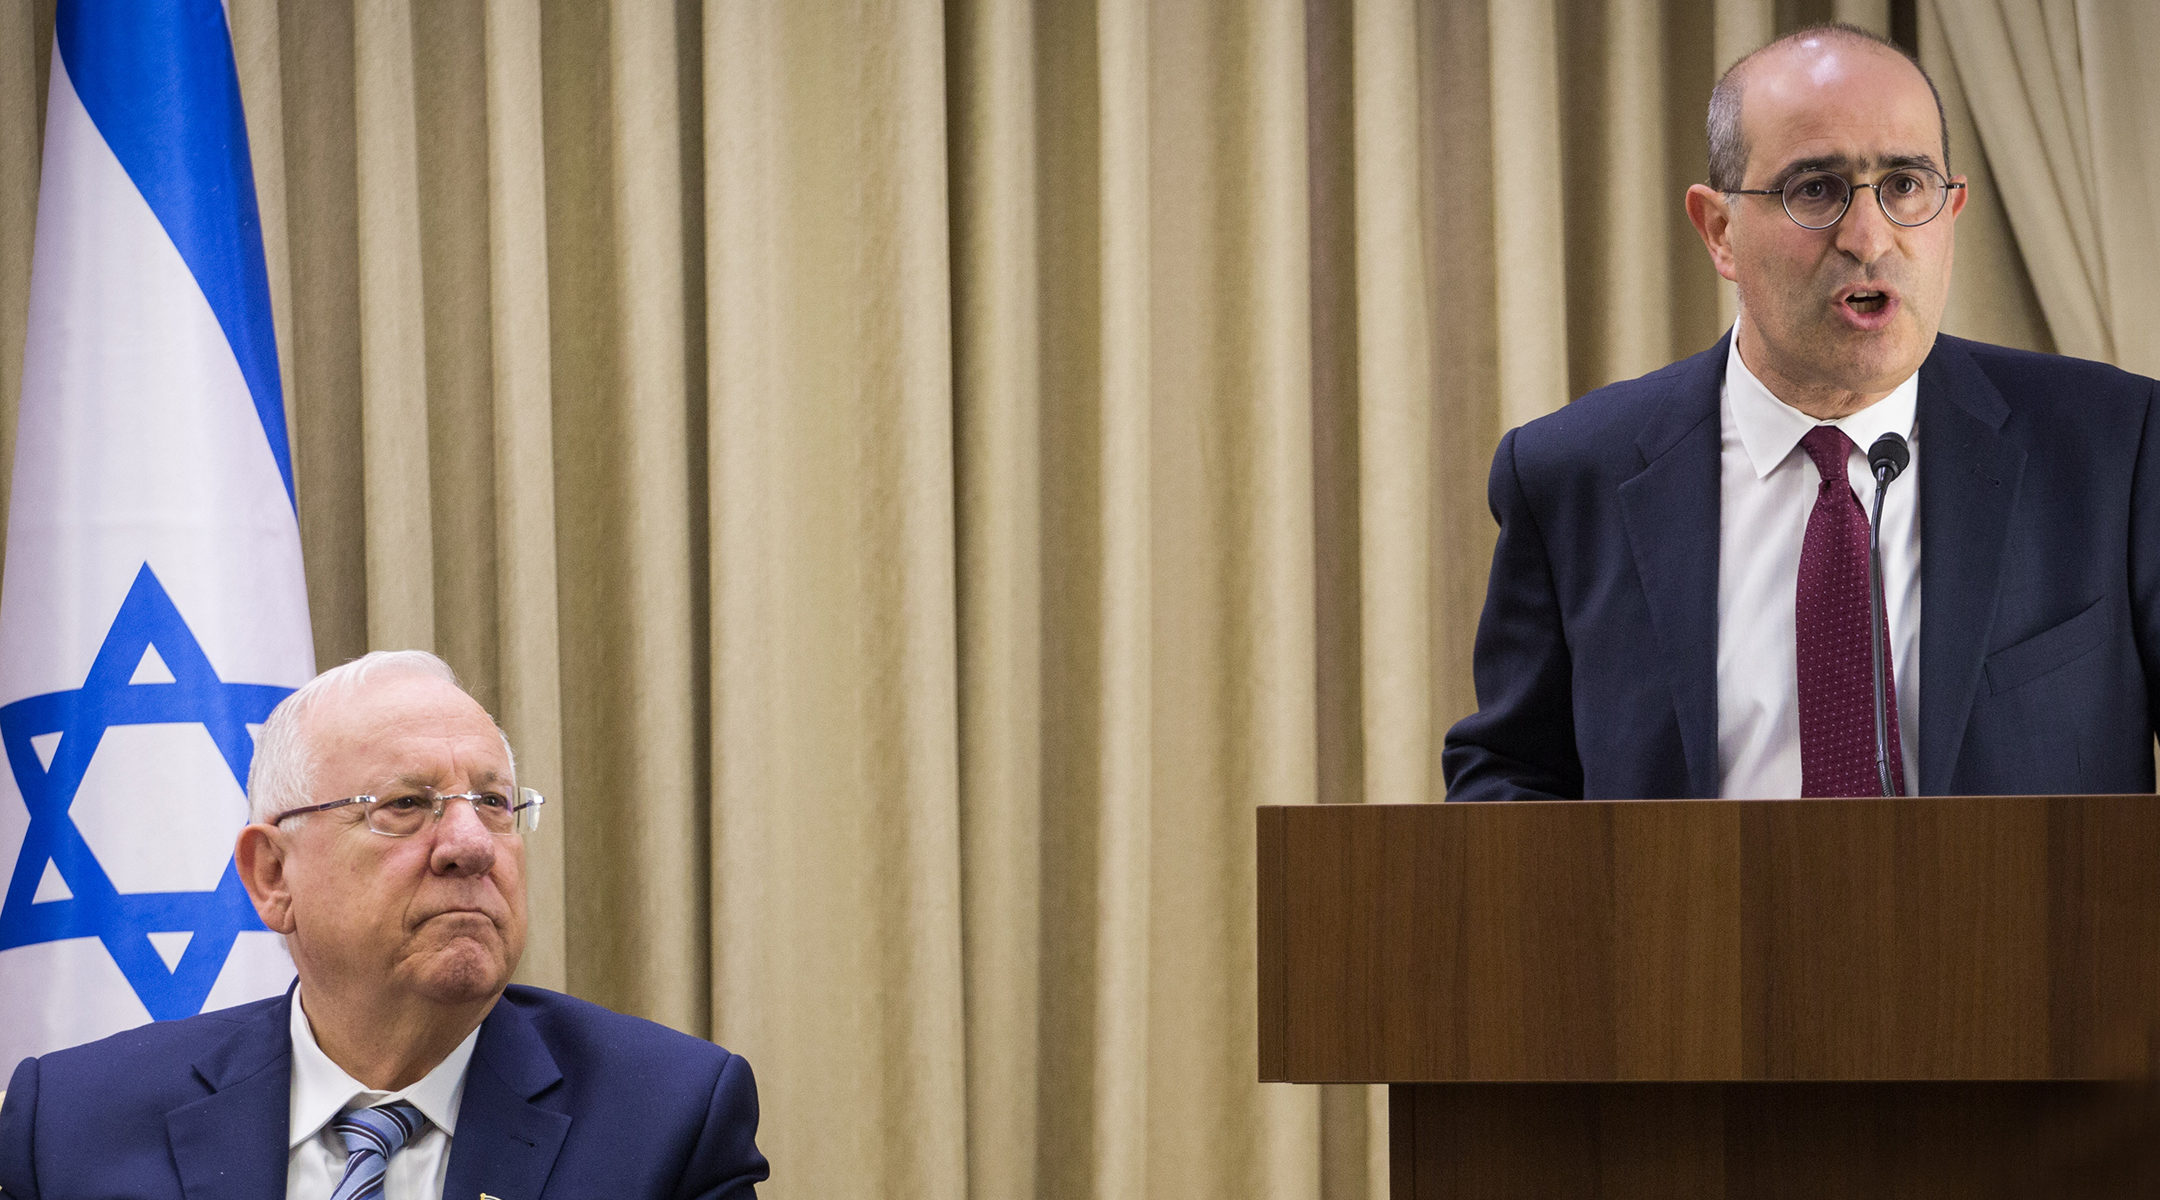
{"x":1867,"y":302}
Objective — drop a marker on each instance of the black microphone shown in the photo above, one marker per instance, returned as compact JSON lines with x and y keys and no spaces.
{"x":1888,"y":458}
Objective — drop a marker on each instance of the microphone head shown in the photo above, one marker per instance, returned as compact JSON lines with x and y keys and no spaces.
{"x":1888,"y":457}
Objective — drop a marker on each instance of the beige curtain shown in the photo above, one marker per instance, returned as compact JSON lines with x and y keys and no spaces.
{"x":912,"y":478}
{"x":1991,"y":292}
{"x":2063,"y":98}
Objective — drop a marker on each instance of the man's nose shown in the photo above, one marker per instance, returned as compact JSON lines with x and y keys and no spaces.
{"x":1865,"y":232}
{"x":463,"y":845}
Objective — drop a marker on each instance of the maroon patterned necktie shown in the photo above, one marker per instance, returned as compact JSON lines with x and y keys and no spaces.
{"x":1837,"y":668}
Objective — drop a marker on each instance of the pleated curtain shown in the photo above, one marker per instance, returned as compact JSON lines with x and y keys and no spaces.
{"x":2061,"y":95}
{"x":911,"y":478}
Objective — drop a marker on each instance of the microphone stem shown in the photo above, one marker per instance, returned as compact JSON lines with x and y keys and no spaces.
{"x":1878,"y":616}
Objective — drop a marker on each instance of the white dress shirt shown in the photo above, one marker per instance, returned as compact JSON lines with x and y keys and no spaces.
{"x":1767,"y":487}
{"x":321,"y":1090}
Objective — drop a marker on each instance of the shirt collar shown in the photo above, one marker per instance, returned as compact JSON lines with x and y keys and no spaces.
{"x":1769,"y":428}
{"x":321,"y":1089}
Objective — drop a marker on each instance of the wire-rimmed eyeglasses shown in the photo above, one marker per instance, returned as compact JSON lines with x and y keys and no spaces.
{"x":406,"y":812}
{"x":1909,"y":196}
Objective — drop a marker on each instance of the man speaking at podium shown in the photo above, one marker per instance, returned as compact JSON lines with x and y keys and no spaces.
{"x":388,"y":849}
{"x":1679,"y":602}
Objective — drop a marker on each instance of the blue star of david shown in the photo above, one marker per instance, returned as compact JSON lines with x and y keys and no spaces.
{"x":123,"y":922}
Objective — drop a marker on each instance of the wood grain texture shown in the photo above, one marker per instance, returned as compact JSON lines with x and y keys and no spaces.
{"x":1934,"y":939}
{"x":1904,"y":941}
{"x":1273,"y":967}
{"x":1772,"y":1141}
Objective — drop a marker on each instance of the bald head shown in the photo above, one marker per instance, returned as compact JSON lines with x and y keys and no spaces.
{"x":1729,"y":145}
{"x":1836,"y":308}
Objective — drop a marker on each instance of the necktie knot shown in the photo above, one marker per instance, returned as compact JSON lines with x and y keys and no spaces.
{"x":371,"y":1136}
{"x":1828,"y":446}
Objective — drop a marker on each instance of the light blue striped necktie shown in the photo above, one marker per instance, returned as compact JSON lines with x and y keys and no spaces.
{"x":371,"y":1136}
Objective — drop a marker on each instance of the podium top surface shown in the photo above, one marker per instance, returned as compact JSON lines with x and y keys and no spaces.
{"x":1935,"y":938}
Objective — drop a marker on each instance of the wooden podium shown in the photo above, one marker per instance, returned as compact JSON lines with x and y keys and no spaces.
{"x":1954,"y":997}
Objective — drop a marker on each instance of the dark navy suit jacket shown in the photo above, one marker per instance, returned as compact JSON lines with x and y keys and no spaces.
{"x":562,"y":1099}
{"x":2039,"y":477}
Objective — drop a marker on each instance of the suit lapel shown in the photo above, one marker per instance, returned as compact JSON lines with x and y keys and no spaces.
{"x":1969,"y":475}
{"x":1670,"y":509}
{"x":505,"y":1145}
{"x":220,"y":1145}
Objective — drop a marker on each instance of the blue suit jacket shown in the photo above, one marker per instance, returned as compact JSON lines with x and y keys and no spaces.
{"x":1596,"y":660}
{"x":563,"y":1098}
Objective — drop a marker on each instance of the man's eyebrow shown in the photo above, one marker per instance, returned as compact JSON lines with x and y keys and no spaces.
{"x":412,"y":779}
{"x":408,"y":780}
{"x":1847,"y":165}
{"x":1913,"y":160}
{"x":1828,"y":162}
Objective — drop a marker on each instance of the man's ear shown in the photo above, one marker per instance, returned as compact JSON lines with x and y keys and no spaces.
{"x":1711,"y":214}
{"x":260,"y":857}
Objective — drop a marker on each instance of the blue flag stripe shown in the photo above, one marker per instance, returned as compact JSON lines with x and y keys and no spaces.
{"x":158,"y":80}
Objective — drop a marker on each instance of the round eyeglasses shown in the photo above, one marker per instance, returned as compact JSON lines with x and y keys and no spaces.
{"x":407,"y":812}
{"x":1909,"y":196}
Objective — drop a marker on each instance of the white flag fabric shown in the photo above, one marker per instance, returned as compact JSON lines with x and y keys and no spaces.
{"x":153,"y":608}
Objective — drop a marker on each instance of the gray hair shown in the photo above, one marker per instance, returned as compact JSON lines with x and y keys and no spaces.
{"x":282,"y":775}
{"x":1728,"y":145}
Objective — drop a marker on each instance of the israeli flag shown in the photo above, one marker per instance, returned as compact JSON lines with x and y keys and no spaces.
{"x":153,"y":607}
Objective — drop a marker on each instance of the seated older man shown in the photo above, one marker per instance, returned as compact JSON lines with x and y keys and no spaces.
{"x":388,"y":848}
